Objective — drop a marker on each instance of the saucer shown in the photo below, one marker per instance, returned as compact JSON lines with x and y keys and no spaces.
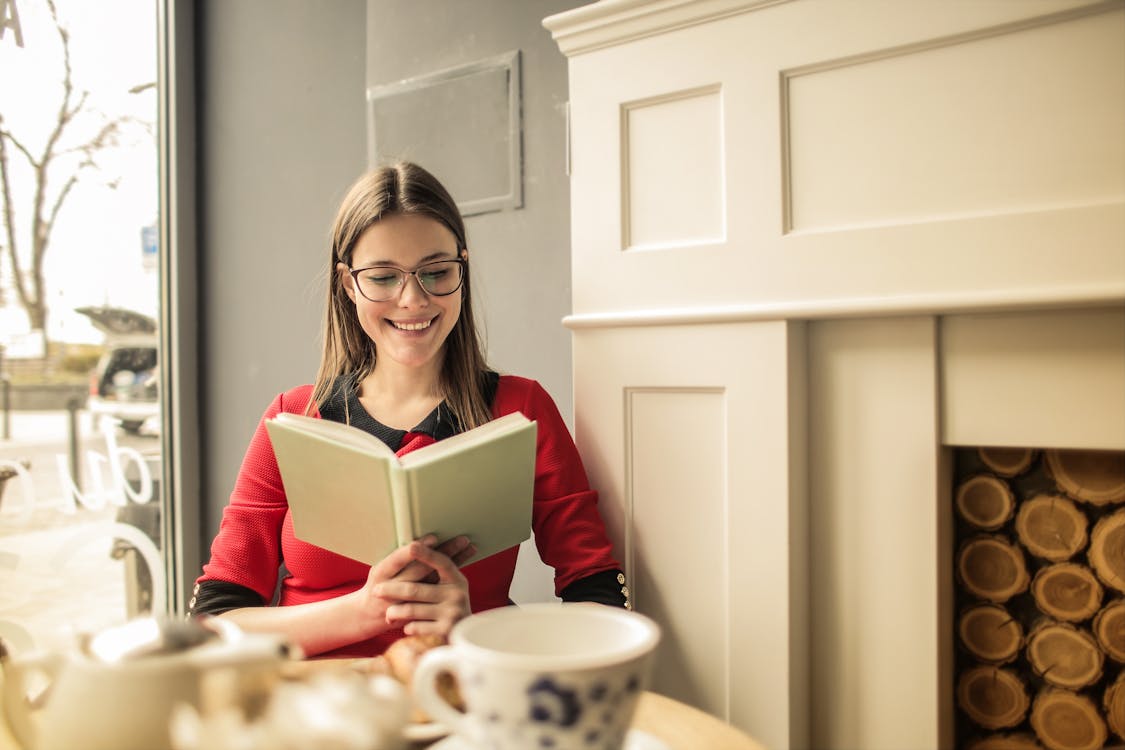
{"x":635,"y":739}
{"x":424,"y":732}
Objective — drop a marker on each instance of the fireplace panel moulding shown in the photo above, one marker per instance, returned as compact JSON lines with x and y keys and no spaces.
{"x":655,"y":485}
{"x":658,"y":213}
{"x":1054,"y":379}
{"x":879,"y":138}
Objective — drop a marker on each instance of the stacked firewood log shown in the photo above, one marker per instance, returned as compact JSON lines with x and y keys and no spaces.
{"x":1040,"y":569}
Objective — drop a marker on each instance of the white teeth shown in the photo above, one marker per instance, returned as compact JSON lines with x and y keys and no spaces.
{"x":412,"y":326}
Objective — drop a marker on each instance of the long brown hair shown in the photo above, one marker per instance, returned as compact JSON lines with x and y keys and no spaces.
{"x":402,"y":188}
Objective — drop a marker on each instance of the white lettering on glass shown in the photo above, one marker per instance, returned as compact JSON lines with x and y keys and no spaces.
{"x":110,"y":465}
{"x":106,"y":486}
{"x":10,"y":19}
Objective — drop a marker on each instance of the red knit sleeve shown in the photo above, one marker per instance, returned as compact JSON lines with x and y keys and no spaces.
{"x":569,"y":531}
{"x":247,"y":549}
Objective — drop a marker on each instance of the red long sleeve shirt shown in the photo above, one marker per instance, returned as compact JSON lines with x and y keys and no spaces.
{"x":256,"y":532}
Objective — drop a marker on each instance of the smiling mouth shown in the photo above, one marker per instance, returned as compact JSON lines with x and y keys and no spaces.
{"x":412,"y":326}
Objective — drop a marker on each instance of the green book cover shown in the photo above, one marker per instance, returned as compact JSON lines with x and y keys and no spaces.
{"x":350,"y":494}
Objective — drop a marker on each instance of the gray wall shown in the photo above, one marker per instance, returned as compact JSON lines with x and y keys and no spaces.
{"x":282,"y":133}
{"x":280,"y":113}
{"x":521,"y":314}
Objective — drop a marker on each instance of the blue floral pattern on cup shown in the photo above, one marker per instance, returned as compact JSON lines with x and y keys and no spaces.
{"x":553,"y":704}
{"x":587,"y":712}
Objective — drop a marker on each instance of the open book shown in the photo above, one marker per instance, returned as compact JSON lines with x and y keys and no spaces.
{"x":350,"y":494}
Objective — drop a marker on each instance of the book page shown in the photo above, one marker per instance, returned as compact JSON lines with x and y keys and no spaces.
{"x":339,"y":495}
{"x":487,"y":431}
{"x":483,"y":490}
{"x":337,"y":431}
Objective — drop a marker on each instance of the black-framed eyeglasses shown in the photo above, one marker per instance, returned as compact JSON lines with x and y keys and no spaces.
{"x":381,"y":283}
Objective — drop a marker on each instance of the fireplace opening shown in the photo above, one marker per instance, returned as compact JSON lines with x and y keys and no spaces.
{"x":1039,"y":604}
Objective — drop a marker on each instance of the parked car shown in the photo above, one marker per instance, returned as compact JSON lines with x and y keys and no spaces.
{"x":124,"y":384}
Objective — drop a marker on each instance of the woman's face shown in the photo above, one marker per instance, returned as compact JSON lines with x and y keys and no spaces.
{"x":409,"y":329}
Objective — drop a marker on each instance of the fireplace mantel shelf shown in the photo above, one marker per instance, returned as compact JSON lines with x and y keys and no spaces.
{"x":1101,"y":295}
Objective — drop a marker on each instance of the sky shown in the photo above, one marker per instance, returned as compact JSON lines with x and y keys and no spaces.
{"x":95,"y":256}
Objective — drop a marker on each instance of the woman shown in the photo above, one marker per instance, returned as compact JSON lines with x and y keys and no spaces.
{"x":402,"y":360}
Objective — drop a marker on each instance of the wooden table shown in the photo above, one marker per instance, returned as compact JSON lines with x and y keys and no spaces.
{"x":680,"y":727}
{"x":683,"y":727}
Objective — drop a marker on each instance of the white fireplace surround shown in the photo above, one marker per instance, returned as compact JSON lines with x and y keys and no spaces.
{"x":816,"y":246}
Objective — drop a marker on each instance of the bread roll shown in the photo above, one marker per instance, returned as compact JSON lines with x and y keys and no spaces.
{"x":403,"y":654}
{"x":402,"y":658}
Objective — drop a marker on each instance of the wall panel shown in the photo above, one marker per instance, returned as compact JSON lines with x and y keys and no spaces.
{"x":1042,"y":380}
{"x":876,"y":565}
{"x":673,"y":197}
{"x":676,"y":496}
{"x":918,"y":133}
{"x":687,"y":434}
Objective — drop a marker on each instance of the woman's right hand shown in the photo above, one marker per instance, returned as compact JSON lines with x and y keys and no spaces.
{"x":317,"y":627}
{"x":403,"y":565}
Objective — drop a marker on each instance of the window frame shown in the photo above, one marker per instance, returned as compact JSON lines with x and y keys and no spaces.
{"x":178,"y":329}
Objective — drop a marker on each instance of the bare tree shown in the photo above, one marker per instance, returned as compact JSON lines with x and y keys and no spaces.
{"x":56,"y":169}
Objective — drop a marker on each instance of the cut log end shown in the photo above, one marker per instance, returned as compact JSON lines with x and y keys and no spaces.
{"x":985,"y":501}
{"x":1096,"y":477}
{"x":1067,"y":591}
{"x":1107,"y":550}
{"x":992,"y":568}
{"x":993,"y":698}
{"x":1115,"y":706}
{"x":1109,"y":630}
{"x":1016,"y":741}
{"x":1007,"y":462}
{"x":1064,"y":656}
{"x":1051,"y":527}
{"x":1063,"y":720}
{"x":990,"y":633}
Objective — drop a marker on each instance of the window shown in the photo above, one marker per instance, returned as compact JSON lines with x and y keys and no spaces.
{"x":85,"y":538}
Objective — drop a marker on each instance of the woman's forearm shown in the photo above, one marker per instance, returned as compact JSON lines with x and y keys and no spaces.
{"x":315,"y":627}
{"x":396,"y":580}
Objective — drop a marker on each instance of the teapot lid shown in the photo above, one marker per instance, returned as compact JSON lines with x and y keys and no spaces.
{"x":147,"y":636}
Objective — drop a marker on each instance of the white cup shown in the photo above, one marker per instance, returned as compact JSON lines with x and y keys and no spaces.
{"x":563,"y":676}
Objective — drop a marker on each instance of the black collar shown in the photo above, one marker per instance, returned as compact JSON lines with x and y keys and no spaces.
{"x":342,"y":405}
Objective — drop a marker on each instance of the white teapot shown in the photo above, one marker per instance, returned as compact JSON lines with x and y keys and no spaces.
{"x":118,"y":690}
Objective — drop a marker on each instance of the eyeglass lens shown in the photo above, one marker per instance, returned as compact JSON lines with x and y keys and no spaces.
{"x":381,"y":283}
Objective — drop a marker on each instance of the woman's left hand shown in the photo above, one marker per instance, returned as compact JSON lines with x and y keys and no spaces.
{"x":434,"y":605}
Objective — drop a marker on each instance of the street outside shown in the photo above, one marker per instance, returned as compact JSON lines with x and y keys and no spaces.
{"x":58,"y":575}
